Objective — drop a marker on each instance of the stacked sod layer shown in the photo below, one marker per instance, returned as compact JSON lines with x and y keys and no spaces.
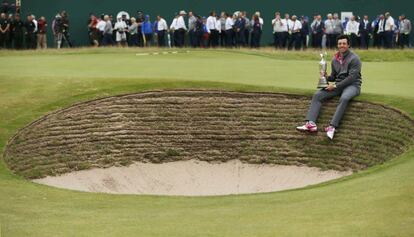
{"x":212,"y":126}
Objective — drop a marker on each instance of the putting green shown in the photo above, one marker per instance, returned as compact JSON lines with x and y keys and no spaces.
{"x":376,"y":202}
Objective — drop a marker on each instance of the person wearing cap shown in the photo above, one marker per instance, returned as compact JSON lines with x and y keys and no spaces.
{"x":147,"y":30}
{"x":181,"y":29}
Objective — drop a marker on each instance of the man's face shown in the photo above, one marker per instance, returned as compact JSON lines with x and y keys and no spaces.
{"x":3,"y":16}
{"x":343,"y":45}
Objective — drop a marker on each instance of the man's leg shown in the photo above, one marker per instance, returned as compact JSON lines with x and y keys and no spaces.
{"x":316,"y":103}
{"x":347,"y":95}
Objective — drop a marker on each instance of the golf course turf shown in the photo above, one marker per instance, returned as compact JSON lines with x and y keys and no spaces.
{"x":378,"y":201}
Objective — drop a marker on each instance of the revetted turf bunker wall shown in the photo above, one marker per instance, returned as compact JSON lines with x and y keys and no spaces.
{"x":206,"y":125}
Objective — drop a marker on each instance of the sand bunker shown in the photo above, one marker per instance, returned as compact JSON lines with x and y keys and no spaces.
{"x":192,"y":178}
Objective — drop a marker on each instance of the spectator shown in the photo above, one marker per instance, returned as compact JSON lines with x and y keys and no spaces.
{"x":41,"y":34}
{"x":4,"y":30}
{"x":364,"y":32}
{"x":94,"y":34}
{"x":173,"y":31}
{"x":352,"y":29}
{"x":317,"y":31}
{"x":191,"y":28}
{"x":65,"y":29}
{"x":229,"y":31}
{"x":405,"y":30}
{"x":162,"y":29}
{"x":277,"y":30}
{"x":17,"y":32}
{"x":304,"y":32}
{"x":389,"y":25}
{"x":256,"y":32}
{"x":30,"y":33}
{"x":212,"y":30}
{"x":329,"y":31}
{"x":181,"y":29}
{"x":295,"y":26}
{"x":222,"y":35}
{"x":147,"y":30}
{"x":107,"y":33}
{"x":337,"y":27}
{"x":133,"y":32}
{"x":121,"y":28}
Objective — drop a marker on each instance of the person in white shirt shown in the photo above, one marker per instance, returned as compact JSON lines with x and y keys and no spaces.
{"x":229,"y":30}
{"x":162,"y":28}
{"x":285,"y":30}
{"x":294,"y":30}
{"x":405,"y":29}
{"x":180,"y":28}
{"x":278,"y":29}
{"x":329,"y":31}
{"x":352,"y":29}
{"x":174,"y":32}
{"x":212,"y":30}
{"x":120,"y":27}
{"x":388,"y":30}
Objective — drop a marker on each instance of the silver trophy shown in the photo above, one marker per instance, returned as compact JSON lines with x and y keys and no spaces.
{"x":323,"y":82}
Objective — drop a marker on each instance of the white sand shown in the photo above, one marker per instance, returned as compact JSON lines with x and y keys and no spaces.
{"x":192,"y":178}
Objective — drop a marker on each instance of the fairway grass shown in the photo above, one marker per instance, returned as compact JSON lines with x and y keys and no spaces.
{"x":375,"y":202}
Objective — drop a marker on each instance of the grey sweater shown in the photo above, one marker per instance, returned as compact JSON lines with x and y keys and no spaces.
{"x":346,"y":71}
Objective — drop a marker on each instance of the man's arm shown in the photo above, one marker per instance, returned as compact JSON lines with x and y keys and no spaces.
{"x":354,"y":72}
{"x":332,"y":77}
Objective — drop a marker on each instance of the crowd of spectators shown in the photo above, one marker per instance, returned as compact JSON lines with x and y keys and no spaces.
{"x":216,"y":30}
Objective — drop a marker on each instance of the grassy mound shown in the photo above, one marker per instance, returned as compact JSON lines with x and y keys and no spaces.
{"x":206,"y":125}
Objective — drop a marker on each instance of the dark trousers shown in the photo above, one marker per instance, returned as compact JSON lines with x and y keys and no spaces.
{"x":213,"y":38}
{"x":133,"y":40}
{"x":295,"y":41}
{"x":180,"y":37}
{"x":240,"y":40}
{"x":4,"y":37}
{"x":18,"y":40}
{"x":364,"y":40}
{"x":331,"y":40}
{"x":404,"y":40}
{"x":255,"y":39}
{"x":229,"y":38}
{"x":388,"y":39}
{"x":107,"y":40}
{"x":222,"y":36}
{"x":31,"y":40}
{"x":354,"y":40}
{"x":191,"y":37}
{"x":317,"y":40}
{"x":284,"y":39}
{"x":161,"y":38}
{"x":246,"y":36}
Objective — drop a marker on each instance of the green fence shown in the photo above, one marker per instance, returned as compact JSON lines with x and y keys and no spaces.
{"x":79,"y":10}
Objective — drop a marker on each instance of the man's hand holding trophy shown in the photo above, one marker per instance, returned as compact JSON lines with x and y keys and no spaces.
{"x":323,"y":81}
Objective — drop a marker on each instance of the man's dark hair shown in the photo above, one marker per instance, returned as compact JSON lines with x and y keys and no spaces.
{"x":343,"y":37}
